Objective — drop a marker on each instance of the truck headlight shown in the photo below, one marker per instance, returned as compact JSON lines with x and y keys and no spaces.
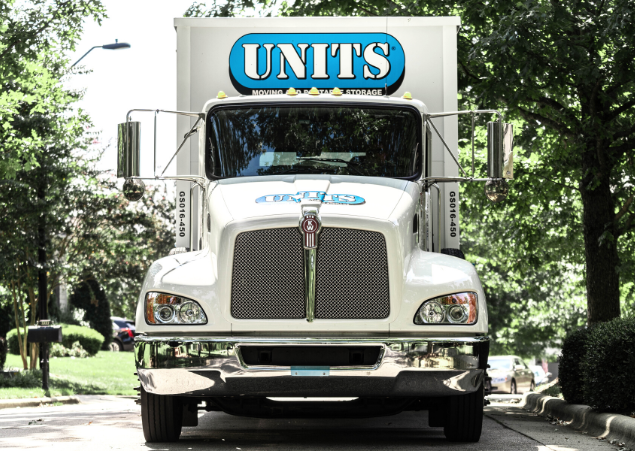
{"x":459,"y":308}
{"x":163,"y":308}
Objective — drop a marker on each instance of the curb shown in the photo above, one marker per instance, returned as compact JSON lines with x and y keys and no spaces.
{"x":37,"y":402}
{"x":583,"y":418}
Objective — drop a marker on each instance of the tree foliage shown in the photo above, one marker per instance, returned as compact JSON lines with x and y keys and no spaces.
{"x":52,"y":197}
{"x":34,"y":36}
{"x":90,"y":297}
{"x":564,"y":73}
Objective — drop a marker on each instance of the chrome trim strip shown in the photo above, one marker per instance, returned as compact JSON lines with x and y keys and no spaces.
{"x":309,"y":283}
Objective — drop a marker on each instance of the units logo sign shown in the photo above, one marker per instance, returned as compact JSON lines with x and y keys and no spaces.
{"x":320,"y":196}
{"x":357,"y":63}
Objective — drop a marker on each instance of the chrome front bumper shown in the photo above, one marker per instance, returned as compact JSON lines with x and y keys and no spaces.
{"x":210,"y":366}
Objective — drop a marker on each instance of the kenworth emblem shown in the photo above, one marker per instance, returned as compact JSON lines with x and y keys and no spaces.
{"x":321,"y":196}
{"x":310,"y":226}
{"x":357,"y":63}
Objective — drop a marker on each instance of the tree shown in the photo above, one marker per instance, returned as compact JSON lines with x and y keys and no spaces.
{"x":34,"y":36}
{"x":566,"y":70}
{"x":90,"y":297}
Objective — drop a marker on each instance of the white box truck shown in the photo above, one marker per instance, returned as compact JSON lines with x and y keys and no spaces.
{"x":317,"y":247}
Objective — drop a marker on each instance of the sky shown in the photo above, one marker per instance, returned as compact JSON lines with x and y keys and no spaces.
{"x":143,"y":76}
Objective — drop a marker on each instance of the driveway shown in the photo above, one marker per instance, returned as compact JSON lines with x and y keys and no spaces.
{"x":107,"y":422}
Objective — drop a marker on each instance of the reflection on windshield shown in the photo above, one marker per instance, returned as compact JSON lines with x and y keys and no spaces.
{"x":500,"y":364}
{"x":267,"y":140}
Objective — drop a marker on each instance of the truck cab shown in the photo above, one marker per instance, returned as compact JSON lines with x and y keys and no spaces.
{"x":313,"y":269}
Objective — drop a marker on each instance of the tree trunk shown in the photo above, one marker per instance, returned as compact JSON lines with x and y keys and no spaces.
{"x":602,"y":261}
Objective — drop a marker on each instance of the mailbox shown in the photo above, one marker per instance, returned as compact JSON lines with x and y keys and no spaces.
{"x":44,"y":334}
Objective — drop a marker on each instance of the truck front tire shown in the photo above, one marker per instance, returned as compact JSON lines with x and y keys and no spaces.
{"x":161,"y":417}
{"x":464,"y":419}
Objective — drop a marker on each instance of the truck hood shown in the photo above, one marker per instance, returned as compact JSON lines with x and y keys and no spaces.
{"x":371,"y":197}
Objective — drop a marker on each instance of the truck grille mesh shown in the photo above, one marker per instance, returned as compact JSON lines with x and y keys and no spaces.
{"x":268,"y":275}
{"x":351,"y":277}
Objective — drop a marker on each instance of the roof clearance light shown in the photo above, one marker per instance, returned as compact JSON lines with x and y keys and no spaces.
{"x":221,"y":95}
{"x":407,"y":96}
{"x":314,"y":92}
{"x":292,"y":92}
{"x":337,"y":92}
{"x":459,"y":308}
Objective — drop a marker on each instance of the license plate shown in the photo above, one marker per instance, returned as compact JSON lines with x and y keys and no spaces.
{"x":314,"y":371}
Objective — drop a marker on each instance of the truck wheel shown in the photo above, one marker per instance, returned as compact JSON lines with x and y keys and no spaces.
{"x":161,"y":417}
{"x":464,"y":419}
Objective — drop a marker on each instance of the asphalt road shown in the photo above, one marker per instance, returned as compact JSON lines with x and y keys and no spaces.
{"x":104,"y":423}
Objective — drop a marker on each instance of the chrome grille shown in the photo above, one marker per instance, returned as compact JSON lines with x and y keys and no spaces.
{"x":268,"y":275}
{"x":352,"y":275}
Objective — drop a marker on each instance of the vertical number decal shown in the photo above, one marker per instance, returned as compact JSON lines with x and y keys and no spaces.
{"x":181,"y":209}
{"x":453,"y":216}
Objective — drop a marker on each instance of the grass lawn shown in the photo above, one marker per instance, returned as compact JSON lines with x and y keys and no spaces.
{"x":108,"y":373}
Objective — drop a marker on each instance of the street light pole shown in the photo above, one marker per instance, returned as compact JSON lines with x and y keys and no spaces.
{"x":116,"y":46}
{"x":42,"y":242}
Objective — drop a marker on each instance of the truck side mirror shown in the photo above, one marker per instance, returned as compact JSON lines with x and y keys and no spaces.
{"x":508,"y":151}
{"x":133,"y":189}
{"x":128,"y":149}
{"x":499,"y":160}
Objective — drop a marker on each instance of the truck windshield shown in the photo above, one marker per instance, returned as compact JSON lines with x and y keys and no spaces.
{"x":270,"y":140}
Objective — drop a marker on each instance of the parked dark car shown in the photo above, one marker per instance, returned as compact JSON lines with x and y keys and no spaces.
{"x":123,"y":333}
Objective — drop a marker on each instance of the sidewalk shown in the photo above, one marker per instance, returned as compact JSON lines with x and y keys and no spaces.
{"x":607,"y":426}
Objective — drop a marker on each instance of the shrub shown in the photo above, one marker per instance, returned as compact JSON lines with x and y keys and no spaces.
{"x":76,"y":350}
{"x":12,"y":341}
{"x":570,"y":377}
{"x":3,"y":353}
{"x":609,"y":383}
{"x":89,"y":339}
{"x":23,"y":379}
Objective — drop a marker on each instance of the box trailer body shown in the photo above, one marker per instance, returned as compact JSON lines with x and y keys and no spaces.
{"x":428,"y":70}
{"x":317,"y":244}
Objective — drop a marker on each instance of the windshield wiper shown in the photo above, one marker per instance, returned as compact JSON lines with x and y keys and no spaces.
{"x":335,"y":160}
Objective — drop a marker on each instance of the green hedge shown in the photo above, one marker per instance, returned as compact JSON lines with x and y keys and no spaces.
{"x":570,"y":376}
{"x":90,"y":339}
{"x":596,"y":366}
{"x":609,"y":364}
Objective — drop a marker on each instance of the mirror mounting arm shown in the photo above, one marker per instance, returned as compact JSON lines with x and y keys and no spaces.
{"x":430,"y":116}
{"x":196,"y":179}
{"x":200,"y":116}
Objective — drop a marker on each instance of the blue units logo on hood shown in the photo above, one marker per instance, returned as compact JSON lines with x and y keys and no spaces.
{"x":321,"y":196}
{"x":270,"y":63}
